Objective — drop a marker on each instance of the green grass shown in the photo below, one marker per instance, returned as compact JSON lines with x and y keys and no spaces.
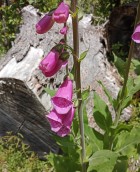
{"x":15,"y":156}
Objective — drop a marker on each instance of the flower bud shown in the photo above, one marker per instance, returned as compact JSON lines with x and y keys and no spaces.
{"x":45,"y":24}
{"x":64,"y":30}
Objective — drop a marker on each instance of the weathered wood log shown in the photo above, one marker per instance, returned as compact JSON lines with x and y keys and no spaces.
{"x":23,"y":103}
{"x":20,"y":111}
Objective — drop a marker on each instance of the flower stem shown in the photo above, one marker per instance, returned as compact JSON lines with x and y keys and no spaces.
{"x":118,"y":113}
{"x":78,"y":78}
{"x":65,"y":38}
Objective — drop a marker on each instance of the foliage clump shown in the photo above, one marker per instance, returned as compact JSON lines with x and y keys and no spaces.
{"x":15,"y":156}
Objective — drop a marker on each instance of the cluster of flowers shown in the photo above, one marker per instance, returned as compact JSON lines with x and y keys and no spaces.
{"x":62,"y":114}
{"x":60,"y":15}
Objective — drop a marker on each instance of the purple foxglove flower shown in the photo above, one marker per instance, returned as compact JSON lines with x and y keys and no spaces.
{"x":61,"y":124}
{"x":62,"y":101}
{"x":51,"y":63}
{"x":55,"y":120}
{"x":44,"y":24}
{"x":64,"y":30}
{"x":61,"y":14}
{"x":136,"y":34}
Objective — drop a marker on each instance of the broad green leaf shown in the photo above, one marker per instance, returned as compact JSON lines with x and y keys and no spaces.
{"x":50,"y":92}
{"x":136,"y":66}
{"x":133,"y":85}
{"x":65,"y":163}
{"x":93,"y":137}
{"x":102,"y":161}
{"x":126,"y":142}
{"x":82,"y":55}
{"x":136,"y":85}
{"x":121,"y":165}
{"x":69,"y":146}
{"x":121,"y":127}
{"x":126,"y":102}
{"x":89,"y":150}
{"x":101,"y":113}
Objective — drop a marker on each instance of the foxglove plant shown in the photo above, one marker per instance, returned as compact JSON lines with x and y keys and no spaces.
{"x":104,"y":149}
{"x":62,"y":114}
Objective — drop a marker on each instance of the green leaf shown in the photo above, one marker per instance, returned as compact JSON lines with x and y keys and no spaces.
{"x":106,"y":92}
{"x":121,"y":127}
{"x":133,"y":86}
{"x":120,"y":65}
{"x":93,"y":137}
{"x":85,"y":94}
{"x":75,"y":124}
{"x":72,"y":73}
{"x":65,"y":163}
{"x":136,"y":66}
{"x":102,"y":161}
{"x":85,"y":117}
{"x":101,"y":113}
{"x":50,"y":92}
{"x":89,"y":150}
{"x":126,"y":142}
{"x":82,"y":55}
{"x":121,"y":165}
{"x":31,"y":1}
{"x":136,"y":85}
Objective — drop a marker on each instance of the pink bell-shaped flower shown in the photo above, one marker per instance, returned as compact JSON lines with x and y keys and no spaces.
{"x":61,"y":124}
{"x":51,"y":64}
{"x":64,"y":30}
{"x":62,"y":101}
{"x":136,"y":34}
{"x":61,"y":14}
{"x":45,"y":24}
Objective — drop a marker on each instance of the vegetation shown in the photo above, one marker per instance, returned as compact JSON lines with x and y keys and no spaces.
{"x":10,"y":19}
{"x":88,"y":150}
{"x":15,"y":156}
{"x":10,"y":15}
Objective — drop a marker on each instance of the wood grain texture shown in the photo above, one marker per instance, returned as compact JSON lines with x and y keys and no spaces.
{"x":20,"y":111}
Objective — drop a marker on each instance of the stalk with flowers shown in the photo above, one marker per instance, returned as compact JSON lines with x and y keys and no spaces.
{"x":84,"y":148}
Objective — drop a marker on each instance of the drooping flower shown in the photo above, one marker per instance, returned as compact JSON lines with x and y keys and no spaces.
{"x":136,"y":34}
{"x":45,"y":24}
{"x":61,"y":123}
{"x":62,"y":101}
{"x":61,"y":14}
{"x":64,"y":30}
{"x":51,"y":64}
